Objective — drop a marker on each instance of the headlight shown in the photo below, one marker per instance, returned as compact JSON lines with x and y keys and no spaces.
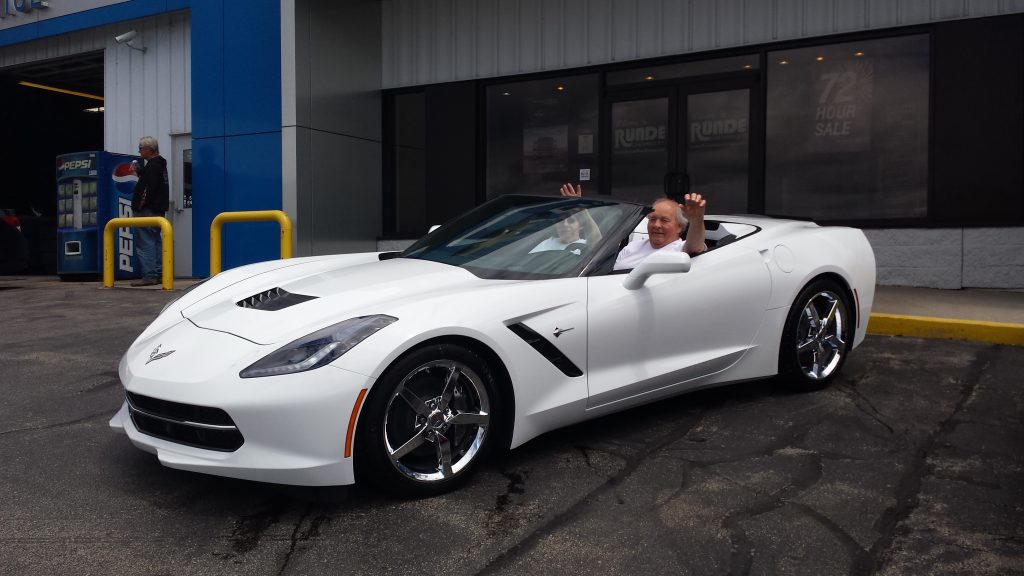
{"x":317,"y":349}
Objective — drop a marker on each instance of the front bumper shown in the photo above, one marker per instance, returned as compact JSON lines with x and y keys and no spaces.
{"x":294,"y":427}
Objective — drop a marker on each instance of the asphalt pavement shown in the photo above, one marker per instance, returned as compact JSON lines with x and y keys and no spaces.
{"x":909,"y":464}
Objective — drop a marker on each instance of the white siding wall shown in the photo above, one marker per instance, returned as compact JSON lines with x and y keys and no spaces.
{"x":145,"y":94}
{"x":11,"y":18}
{"x":428,"y":41}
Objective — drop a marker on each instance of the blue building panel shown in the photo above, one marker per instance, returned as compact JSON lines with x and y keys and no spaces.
{"x":252,"y":70}
{"x":19,"y":34}
{"x":208,"y":60}
{"x":253,"y":182}
{"x":208,"y":198}
{"x":236,"y":118}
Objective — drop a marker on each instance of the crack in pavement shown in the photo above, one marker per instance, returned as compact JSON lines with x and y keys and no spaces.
{"x":586,"y":456}
{"x":963,"y":479}
{"x":294,"y":539}
{"x":104,"y":414}
{"x":765,"y":450}
{"x":859,"y":401}
{"x":558,"y":520}
{"x":909,"y":487}
{"x":499,"y":513}
{"x":742,"y":556}
{"x":112,"y":380}
{"x":249,"y":529}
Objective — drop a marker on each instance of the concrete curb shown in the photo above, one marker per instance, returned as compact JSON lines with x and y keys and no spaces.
{"x":946,"y":329}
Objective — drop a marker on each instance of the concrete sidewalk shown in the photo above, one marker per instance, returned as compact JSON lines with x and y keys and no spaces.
{"x":971,"y":314}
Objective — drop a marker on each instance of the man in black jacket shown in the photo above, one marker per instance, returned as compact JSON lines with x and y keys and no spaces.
{"x":150,"y":198}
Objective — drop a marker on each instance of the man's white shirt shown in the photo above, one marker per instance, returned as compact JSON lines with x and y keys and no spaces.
{"x":636,"y":251}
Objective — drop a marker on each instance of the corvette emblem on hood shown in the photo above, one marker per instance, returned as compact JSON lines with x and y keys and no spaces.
{"x":156,"y":354}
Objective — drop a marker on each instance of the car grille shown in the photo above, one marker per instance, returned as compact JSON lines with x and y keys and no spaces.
{"x":198,"y":426}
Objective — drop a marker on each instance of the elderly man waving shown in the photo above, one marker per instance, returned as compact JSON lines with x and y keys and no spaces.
{"x":665,"y":226}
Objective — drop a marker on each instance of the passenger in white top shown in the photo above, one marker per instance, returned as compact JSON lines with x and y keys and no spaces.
{"x":665,"y":224}
{"x":567,"y":233}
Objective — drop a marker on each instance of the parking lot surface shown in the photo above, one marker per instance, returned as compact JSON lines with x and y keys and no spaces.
{"x":910,"y":463}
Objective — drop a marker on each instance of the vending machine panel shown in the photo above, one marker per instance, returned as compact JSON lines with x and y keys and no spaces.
{"x":92,"y":188}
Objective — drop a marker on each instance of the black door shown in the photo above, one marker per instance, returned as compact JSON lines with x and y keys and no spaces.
{"x":701,"y":128}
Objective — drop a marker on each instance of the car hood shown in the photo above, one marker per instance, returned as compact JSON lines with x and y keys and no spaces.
{"x":336,"y":295}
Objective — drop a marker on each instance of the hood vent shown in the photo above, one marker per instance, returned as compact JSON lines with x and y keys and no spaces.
{"x":273,"y":299}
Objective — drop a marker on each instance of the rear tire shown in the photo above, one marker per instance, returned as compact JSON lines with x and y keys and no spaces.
{"x":429,"y":422}
{"x":817,"y":336}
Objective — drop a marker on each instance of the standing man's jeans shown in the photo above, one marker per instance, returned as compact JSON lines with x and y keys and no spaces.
{"x":147,"y":245}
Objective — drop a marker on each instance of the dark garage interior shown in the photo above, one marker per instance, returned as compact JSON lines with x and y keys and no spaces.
{"x":39,"y":124}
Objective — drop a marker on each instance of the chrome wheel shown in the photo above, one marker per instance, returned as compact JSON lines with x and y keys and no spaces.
{"x":436,"y":420}
{"x":820,"y":330}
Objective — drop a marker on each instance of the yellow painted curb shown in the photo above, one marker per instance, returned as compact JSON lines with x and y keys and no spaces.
{"x":946,"y":329}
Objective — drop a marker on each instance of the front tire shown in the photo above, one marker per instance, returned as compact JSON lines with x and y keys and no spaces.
{"x":430,"y":421}
{"x":816,"y":338}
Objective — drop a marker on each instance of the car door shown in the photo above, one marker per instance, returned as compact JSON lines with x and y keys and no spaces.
{"x":675,"y":330}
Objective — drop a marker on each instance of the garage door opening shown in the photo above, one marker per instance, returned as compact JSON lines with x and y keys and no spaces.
{"x":49,"y":108}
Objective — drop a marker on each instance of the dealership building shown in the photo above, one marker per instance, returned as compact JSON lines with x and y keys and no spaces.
{"x":367,"y":121}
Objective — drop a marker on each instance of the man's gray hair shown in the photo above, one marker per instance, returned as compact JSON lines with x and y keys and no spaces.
{"x":149,"y":142}
{"x":680,"y":219}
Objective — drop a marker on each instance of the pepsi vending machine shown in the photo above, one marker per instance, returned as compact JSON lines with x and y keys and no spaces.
{"x":92,"y":188}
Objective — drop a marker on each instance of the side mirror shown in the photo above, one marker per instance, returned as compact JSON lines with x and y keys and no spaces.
{"x":657,"y":263}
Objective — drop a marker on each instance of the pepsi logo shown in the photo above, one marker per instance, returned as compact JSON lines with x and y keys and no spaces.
{"x":74,"y":165}
{"x":124,"y":173}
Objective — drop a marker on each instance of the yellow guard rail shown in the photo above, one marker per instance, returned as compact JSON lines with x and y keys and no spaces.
{"x":250,"y":216}
{"x":167,"y":246}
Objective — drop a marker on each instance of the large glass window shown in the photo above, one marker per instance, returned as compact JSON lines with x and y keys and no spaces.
{"x":640,"y":148}
{"x":717,"y":147}
{"x":847,"y":130}
{"x":409,"y":154}
{"x":541,"y":134}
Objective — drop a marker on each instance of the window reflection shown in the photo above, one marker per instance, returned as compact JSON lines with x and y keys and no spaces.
{"x":541,"y":134}
{"x":847,"y":130}
{"x":717,"y":147}
{"x":640,"y":146}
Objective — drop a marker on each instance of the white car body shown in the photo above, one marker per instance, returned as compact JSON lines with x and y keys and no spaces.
{"x":719,"y":322}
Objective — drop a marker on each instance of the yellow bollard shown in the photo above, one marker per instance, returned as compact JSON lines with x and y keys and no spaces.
{"x":250,"y":216}
{"x":167,"y":246}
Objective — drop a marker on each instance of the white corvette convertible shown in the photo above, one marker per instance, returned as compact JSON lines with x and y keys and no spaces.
{"x":406,"y":369}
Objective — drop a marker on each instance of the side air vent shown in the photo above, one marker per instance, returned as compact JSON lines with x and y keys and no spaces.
{"x":274,"y":299}
{"x":546,"y":349}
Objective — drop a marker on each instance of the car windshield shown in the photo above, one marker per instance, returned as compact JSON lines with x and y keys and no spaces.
{"x":526,"y":237}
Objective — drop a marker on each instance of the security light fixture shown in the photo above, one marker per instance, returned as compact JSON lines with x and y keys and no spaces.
{"x":127,"y":39}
